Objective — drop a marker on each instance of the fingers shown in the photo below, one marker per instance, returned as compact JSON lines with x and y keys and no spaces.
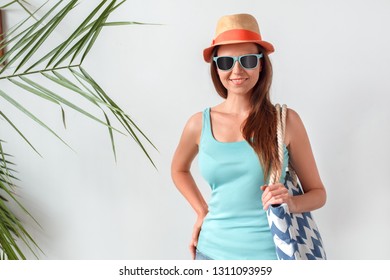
{"x":275,"y":201}
{"x":192,"y":248}
{"x":194,"y":243}
{"x":274,"y":194}
{"x":194,"y":238}
{"x":195,"y":235}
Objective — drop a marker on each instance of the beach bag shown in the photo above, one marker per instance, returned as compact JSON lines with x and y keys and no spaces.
{"x":296,"y":235}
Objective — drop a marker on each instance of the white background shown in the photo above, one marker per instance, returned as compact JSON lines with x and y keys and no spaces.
{"x":331,"y":65}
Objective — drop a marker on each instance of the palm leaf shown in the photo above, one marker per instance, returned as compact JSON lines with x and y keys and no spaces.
{"x":24,"y":41}
{"x":79,"y":45}
{"x":44,"y":32}
{"x":10,"y":226}
{"x":123,"y":119}
{"x":79,"y":30}
{"x":8,"y":4}
{"x":27,"y":40}
{"x":6,"y":36}
{"x":76,"y":75}
{"x":27,"y":10}
{"x":94,"y":32}
{"x":29,"y":114}
{"x":19,"y":132}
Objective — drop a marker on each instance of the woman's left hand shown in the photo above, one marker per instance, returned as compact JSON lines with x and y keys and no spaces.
{"x":274,"y":194}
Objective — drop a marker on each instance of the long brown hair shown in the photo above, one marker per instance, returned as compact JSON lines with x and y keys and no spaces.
{"x":259,"y":129}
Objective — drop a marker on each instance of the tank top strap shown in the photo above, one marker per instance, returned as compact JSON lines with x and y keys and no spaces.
{"x":206,"y":125}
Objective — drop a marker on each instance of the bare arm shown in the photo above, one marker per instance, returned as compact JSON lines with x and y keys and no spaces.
{"x":181,"y":164}
{"x":185,"y":153}
{"x":303,"y":162}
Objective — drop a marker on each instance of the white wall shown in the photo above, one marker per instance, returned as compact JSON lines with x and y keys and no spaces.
{"x":331,"y":65}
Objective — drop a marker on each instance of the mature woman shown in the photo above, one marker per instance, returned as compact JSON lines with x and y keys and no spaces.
{"x":236,"y":143}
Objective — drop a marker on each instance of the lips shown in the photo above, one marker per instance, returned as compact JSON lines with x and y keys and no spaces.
{"x":238,"y":81}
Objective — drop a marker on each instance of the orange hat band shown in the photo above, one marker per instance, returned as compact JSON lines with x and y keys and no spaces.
{"x":236,"y":35}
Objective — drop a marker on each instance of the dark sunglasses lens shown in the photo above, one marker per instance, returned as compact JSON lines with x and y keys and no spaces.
{"x":225,"y":63}
{"x":249,"y":61}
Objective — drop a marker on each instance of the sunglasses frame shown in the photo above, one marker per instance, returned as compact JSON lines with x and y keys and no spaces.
{"x":238,"y":58}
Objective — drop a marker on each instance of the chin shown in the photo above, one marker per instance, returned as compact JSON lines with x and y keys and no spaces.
{"x":240,"y":91}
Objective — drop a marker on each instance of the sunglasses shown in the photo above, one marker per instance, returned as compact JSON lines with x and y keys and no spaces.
{"x":247,"y":61}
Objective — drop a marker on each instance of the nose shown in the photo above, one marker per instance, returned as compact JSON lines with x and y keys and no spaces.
{"x":237,"y":68}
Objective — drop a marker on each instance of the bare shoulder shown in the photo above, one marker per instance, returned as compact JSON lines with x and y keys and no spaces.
{"x":194,"y":123}
{"x":193,"y":127}
{"x":293,"y":117}
{"x":294,"y":126}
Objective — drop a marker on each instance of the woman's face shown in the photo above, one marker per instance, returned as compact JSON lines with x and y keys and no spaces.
{"x":239,"y":80}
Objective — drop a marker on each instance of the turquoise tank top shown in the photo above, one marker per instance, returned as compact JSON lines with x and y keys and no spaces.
{"x":236,"y":226}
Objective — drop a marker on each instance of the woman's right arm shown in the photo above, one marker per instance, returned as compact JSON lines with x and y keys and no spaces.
{"x":185,"y":153}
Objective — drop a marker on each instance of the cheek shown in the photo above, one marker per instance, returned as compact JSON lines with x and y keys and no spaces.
{"x":257,"y":74}
{"x":223,"y":76}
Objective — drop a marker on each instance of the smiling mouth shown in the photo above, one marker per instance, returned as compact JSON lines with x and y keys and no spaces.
{"x":238,"y":81}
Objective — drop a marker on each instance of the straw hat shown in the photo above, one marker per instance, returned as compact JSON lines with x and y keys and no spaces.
{"x":234,"y":29}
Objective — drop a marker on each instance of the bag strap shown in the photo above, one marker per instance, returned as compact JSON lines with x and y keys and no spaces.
{"x":281,"y":114}
{"x":275,"y":175}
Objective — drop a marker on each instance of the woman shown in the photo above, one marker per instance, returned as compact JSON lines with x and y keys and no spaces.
{"x":236,"y":143}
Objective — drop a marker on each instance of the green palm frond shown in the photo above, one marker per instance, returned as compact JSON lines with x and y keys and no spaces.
{"x":8,"y":4}
{"x":11,"y":228}
{"x":61,"y":66}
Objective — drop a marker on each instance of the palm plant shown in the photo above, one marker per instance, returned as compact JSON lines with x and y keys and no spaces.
{"x":23,"y":68}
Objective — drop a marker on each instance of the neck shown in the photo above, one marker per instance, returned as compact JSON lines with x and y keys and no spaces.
{"x":237,"y":104}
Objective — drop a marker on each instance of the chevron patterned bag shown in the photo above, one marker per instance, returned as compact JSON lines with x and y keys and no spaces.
{"x":295,"y":235}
